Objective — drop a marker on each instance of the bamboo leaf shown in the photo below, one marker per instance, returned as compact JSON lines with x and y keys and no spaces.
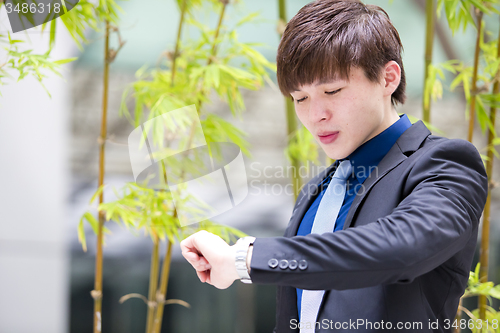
{"x":92,"y":221}
{"x":97,"y":193}
{"x":81,"y":235}
{"x":64,"y":61}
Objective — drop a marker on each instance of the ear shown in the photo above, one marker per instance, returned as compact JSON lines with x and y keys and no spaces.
{"x":391,"y":77}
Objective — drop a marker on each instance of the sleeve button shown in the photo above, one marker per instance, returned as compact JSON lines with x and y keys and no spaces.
{"x":293,"y":264}
{"x":283,"y":264}
{"x":302,"y":265}
{"x":273,"y":263}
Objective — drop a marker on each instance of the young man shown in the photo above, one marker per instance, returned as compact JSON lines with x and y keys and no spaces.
{"x":391,"y":246}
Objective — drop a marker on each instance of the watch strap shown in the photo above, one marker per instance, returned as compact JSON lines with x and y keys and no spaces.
{"x":241,"y":253}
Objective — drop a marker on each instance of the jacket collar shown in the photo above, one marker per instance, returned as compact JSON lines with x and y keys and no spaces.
{"x":406,"y":145}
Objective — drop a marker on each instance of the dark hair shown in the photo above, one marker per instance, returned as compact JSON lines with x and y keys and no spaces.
{"x":328,"y":37}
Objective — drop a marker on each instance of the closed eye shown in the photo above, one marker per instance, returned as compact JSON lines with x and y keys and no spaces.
{"x":326,"y":92}
{"x":332,"y":92}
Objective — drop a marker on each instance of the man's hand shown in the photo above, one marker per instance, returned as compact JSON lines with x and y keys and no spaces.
{"x":212,"y":258}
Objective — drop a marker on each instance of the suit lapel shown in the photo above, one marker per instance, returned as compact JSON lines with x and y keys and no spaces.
{"x":407,"y":143}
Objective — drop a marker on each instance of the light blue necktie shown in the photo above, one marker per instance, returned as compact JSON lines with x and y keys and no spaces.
{"x":324,"y":221}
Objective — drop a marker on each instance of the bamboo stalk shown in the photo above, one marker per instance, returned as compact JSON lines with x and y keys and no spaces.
{"x":429,"y":43}
{"x":291,"y":119}
{"x":214,"y":45}
{"x":469,"y":138}
{"x":458,"y":316}
{"x":217,"y":31}
{"x":165,"y":273}
{"x":484,"y":253}
{"x":485,"y":234}
{"x":282,"y":11}
{"x":97,"y":292}
{"x":472,"y":113}
{"x":153,"y":283}
{"x":291,"y":122}
{"x":177,"y":42}
{"x":162,"y":293}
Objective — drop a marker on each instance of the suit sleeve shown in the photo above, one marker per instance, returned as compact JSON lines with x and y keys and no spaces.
{"x":433,"y":222}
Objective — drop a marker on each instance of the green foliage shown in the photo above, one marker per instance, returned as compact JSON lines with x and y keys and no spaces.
{"x":217,"y":129}
{"x":192,"y":5}
{"x":459,"y":12}
{"x":142,"y":208}
{"x":195,"y":79}
{"x":86,"y":14}
{"x":25,"y":62}
{"x":491,"y":323}
{"x":87,"y":216}
{"x":222,"y":65}
{"x":476,"y":288}
{"x":153,"y":91}
{"x":487,"y":72}
{"x":482,"y":115}
{"x":302,"y":147}
{"x":237,"y":65}
{"x":490,"y":58}
{"x":433,"y":85}
{"x":489,"y":65}
{"x":433,"y":128}
{"x":464,"y":78}
{"x":488,"y":289}
{"x":138,"y":208}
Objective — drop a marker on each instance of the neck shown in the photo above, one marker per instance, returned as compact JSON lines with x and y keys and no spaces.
{"x":390,"y":117}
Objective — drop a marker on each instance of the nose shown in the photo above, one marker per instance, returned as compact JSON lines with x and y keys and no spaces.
{"x":318,"y":110}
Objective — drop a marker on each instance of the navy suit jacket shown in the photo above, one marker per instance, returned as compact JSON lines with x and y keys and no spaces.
{"x":406,"y":249}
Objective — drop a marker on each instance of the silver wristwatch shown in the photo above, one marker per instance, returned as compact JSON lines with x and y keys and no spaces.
{"x":241,"y":247}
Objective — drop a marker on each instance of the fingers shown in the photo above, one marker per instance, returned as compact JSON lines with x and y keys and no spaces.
{"x":189,"y":250}
{"x":200,"y":246}
{"x":187,"y":245}
{"x":198,"y":262}
{"x":204,"y":276}
{"x":195,"y":258}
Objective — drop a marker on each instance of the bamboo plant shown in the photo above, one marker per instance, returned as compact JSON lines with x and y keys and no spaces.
{"x":191,"y":72}
{"x":107,"y":12}
{"x":21,"y":59}
{"x":460,"y":14}
{"x":291,"y":119}
{"x":302,"y":148}
{"x":429,"y":42}
{"x":83,"y":15}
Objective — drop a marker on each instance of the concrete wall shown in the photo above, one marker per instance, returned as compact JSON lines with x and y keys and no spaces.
{"x":33,"y":187}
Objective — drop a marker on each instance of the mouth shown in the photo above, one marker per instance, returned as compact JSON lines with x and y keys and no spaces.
{"x":328,"y":137}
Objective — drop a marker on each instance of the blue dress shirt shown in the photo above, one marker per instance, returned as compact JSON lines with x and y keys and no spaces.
{"x":364,"y":159}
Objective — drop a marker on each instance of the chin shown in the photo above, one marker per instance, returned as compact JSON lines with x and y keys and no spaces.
{"x":336,"y":155}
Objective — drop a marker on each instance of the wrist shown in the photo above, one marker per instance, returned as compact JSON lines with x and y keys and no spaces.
{"x":249,"y":257}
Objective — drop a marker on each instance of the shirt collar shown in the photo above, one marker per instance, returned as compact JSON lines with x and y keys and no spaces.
{"x":367,"y":156}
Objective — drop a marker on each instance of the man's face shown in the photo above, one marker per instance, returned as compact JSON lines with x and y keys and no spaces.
{"x":342,"y":115}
